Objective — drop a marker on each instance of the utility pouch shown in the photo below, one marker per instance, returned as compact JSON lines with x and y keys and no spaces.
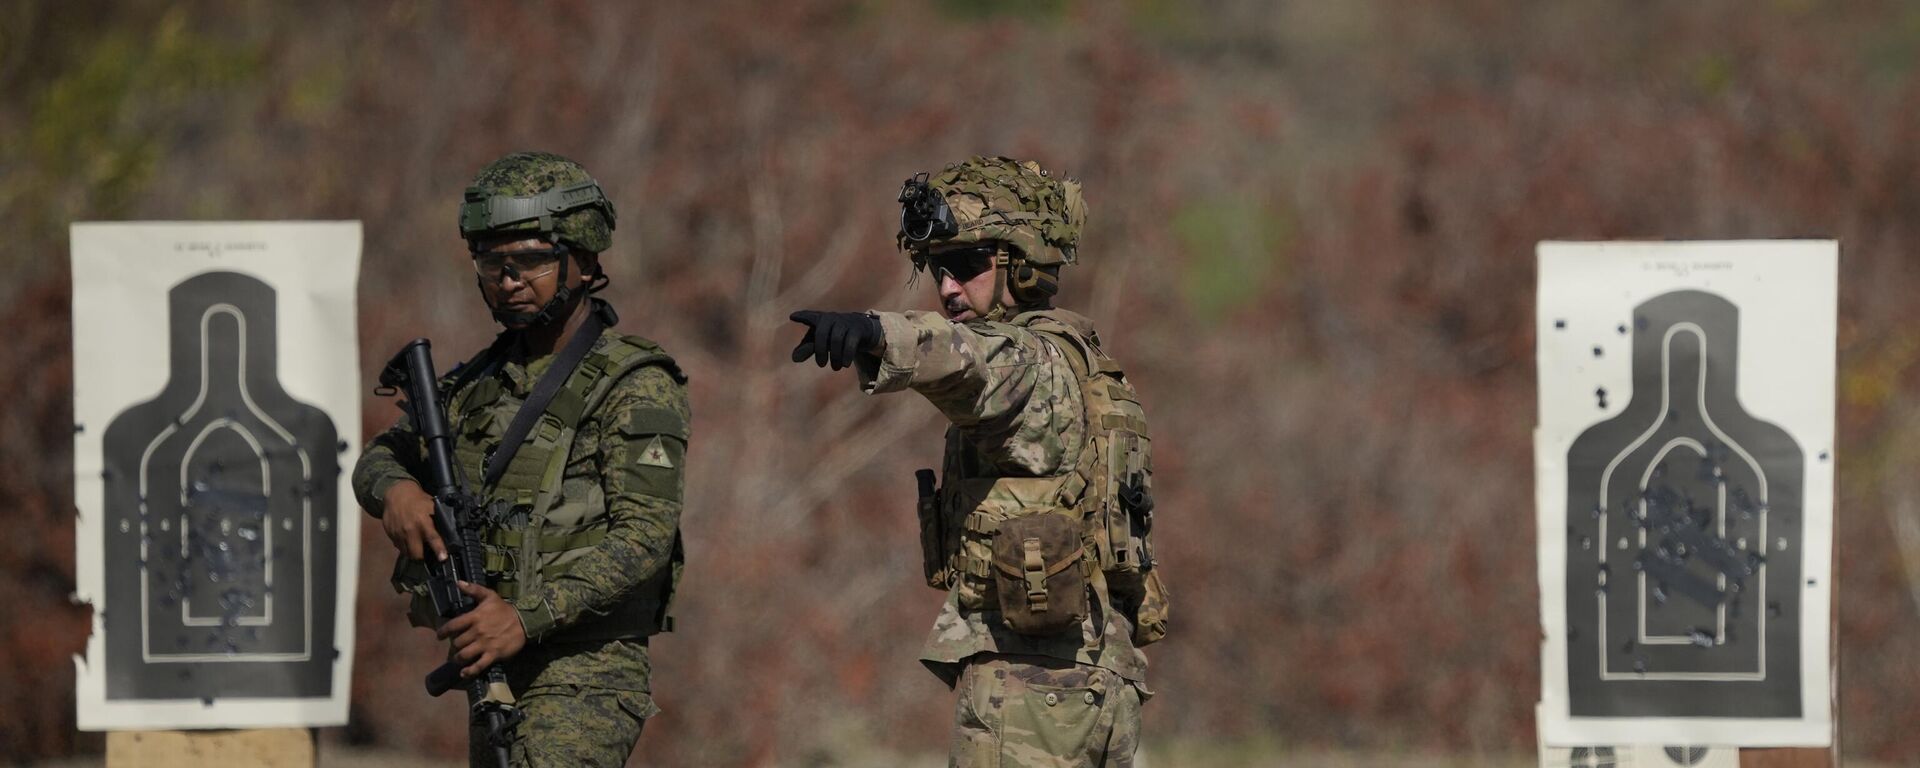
{"x":1116,"y":514}
{"x":972,"y":511}
{"x":935,"y":557}
{"x":1039,"y":574}
{"x":1137,"y":502}
{"x":1150,"y":619}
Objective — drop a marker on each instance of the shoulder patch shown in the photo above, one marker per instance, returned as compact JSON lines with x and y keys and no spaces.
{"x":651,"y":420}
{"x":655,"y":455}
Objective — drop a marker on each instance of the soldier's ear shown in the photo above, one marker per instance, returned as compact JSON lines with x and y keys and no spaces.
{"x":588,"y":263}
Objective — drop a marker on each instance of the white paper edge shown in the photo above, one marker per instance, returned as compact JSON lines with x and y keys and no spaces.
{"x":1818,"y":679}
{"x":339,"y":241}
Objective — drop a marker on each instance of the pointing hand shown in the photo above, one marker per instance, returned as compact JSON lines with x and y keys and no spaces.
{"x":836,"y":336}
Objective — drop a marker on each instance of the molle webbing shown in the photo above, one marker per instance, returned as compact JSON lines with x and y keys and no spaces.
{"x":545,"y":391}
{"x":531,"y":482}
{"x":509,"y":588}
{"x":549,"y":541}
{"x":1118,"y":449}
{"x":584,"y":389}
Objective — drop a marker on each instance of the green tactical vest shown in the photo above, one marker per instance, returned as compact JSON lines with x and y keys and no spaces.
{"x":533,"y":531}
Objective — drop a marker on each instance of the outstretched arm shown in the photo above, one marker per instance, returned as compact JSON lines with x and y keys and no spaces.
{"x":1010,"y":390}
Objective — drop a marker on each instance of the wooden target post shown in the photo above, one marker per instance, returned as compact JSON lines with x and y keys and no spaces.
{"x":264,"y":747}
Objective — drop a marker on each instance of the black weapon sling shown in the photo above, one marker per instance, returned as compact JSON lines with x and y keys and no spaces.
{"x":543,"y":391}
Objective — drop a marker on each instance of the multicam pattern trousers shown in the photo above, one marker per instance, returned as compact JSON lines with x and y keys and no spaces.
{"x":1039,"y":712}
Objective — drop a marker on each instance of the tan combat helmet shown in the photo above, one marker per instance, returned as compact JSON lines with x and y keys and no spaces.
{"x":997,"y":200}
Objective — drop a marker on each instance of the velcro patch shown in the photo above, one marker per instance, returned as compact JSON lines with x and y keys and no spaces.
{"x":655,"y":455}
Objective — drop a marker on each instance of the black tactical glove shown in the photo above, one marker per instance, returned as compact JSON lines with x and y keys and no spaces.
{"x":840,"y":335}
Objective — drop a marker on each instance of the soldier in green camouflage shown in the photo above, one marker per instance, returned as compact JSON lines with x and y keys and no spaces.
{"x":1041,"y":641}
{"x":582,"y":527}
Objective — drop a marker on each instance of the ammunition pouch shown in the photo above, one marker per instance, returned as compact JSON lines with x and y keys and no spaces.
{"x":1143,"y":598}
{"x":1040,"y":574}
{"x":972,"y":510}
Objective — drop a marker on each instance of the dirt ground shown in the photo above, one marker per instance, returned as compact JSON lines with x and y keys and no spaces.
{"x":1216,"y":756}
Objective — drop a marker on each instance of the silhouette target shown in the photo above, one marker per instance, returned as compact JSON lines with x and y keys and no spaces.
{"x":221,"y":548}
{"x":1683,"y":535}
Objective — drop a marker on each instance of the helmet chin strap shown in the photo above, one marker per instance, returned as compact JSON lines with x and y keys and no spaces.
{"x":1001,"y":264}
{"x":1029,"y":293}
{"x":550,"y":312}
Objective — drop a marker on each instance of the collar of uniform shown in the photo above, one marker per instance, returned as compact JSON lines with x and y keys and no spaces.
{"x":1069,"y":318}
{"x":519,"y":377}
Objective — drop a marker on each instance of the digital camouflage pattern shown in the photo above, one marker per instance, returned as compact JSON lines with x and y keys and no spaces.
{"x":522,"y":174}
{"x":999,"y":198}
{"x":571,"y":725}
{"x":1011,"y":394}
{"x":627,"y":461}
{"x":1023,"y":712}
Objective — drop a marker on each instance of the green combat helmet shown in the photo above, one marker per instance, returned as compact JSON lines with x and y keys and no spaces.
{"x":997,"y":200}
{"x":539,"y":194}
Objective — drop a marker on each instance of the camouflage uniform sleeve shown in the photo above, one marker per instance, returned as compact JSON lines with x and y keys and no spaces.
{"x":391,"y":456}
{"x":1008,"y":389}
{"x":643,"y":450}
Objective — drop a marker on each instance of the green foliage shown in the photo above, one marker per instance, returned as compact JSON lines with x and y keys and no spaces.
{"x":317,"y":93}
{"x":99,"y":123}
{"x":1165,"y":19}
{"x":1891,"y":49}
{"x":986,"y":9}
{"x":1234,"y":249}
{"x":1712,"y":74}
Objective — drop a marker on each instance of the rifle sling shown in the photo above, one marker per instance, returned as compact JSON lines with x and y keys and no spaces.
{"x":482,"y":366}
{"x":542,"y":394}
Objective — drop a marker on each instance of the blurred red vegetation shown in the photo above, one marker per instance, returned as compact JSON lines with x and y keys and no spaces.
{"x":1312,"y":243}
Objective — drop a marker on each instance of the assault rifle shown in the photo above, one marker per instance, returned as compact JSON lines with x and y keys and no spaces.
{"x":455,"y":513}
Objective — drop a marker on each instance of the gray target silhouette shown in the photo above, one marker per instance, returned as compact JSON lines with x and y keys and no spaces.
{"x":1684,"y":524}
{"x":220,"y":550}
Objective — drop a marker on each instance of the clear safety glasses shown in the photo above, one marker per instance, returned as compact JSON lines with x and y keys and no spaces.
{"x":522,"y":266}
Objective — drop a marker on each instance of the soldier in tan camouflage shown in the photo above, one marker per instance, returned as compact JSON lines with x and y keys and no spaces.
{"x":1047,"y":600}
{"x":582,"y":532}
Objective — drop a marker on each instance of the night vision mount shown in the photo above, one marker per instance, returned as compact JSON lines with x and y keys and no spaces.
{"x":924,"y":214}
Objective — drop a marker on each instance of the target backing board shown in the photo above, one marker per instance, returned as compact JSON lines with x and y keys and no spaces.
{"x":1684,"y":471}
{"x":216,"y":409}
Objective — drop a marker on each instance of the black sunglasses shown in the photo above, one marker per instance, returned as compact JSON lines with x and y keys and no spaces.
{"x":963,"y":263}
